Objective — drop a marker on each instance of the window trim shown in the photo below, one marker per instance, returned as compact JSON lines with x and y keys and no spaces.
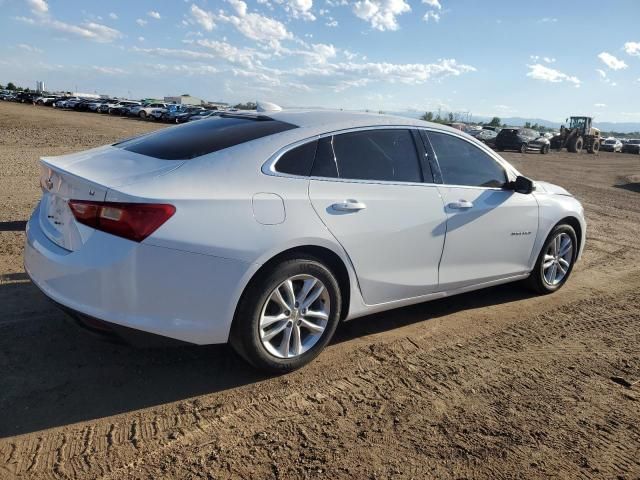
{"x":508,"y":169}
{"x":269,"y":167}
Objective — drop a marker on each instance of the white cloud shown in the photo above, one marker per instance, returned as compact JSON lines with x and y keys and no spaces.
{"x":29,"y":48}
{"x":38,"y":6}
{"x":108,"y":70}
{"x":410,"y":74}
{"x":141,"y":39}
{"x":433,"y":3}
{"x":605,"y":78}
{"x":91,"y":31}
{"x":246,"y":57}
{"x":540,"y":72}
{"x":175,"y":53}
{"x":204,"y":18}
{"x":537,"y":58}
{"x":154,"y":14}
{"x":612,"y":62}
{"x":113,"y":16}
{"x":239,"y":6}
{"x":548,"y":20}
{"x":298,"y":8}
{"x":332,"y":23}
{"x":600,"y":105}
{"x":258,"y":27}
{"x":381,"y":14}
{"x":141,"y":22}
{"x":431,"y":16}
{"x":632,"y":48}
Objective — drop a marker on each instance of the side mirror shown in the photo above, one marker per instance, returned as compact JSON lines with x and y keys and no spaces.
{"x":522,"y":185}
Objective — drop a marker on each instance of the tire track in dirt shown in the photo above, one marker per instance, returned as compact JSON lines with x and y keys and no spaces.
{"x":429,"y":372}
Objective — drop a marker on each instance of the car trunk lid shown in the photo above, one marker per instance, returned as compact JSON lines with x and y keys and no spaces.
{"x":87,"y":176}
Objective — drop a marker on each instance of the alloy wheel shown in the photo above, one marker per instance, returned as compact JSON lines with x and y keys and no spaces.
{"x":295,"y":316}
{"x":557,"y":259}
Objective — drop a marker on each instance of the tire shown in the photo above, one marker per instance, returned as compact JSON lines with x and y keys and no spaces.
{"x":142,"y":114}
{"x":248,"y":335}
{"x":576,"y":145}
{"x":501,"y":149}
{"x":545,"y":149}
{"x":539,"y":278}
{"x":595,"y":147}
{"x":523,"y":148}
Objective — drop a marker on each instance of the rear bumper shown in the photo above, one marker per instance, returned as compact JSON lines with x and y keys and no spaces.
{"x":172,"y":293}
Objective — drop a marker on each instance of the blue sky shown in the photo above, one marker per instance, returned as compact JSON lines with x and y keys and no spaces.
{"x":544,"y":59}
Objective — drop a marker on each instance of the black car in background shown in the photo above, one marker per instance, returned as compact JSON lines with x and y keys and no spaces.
{"x":631,"y":146}
{"x":522,"y":140}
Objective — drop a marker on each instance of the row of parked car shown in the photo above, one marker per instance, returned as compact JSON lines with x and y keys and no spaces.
{"x":623,"y":145}
{"x":164,"y":112}
{"x":528,"y":140}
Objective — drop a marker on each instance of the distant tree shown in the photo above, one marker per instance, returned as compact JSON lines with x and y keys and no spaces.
{"x":245,"y":106}
{"x":495,"y":122}
{"x":527,"y":125}
{"x":427,"y":117}
{"x":452,"y":117}
{"x":11,"y":86}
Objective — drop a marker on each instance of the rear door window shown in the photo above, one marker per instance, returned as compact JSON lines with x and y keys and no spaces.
{"x":380,"y":154}
{"x":462,"y":163}
{"x":209,"y":135}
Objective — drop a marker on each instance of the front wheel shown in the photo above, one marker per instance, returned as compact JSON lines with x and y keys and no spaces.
{"x":287,"y":315}
{"x":523,"y":148}
{"x":545,"y":149}
{"x":556,"y":260}
{"x":143,"y":115}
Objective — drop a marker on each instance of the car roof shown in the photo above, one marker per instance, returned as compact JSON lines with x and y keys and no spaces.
{"x":321,"y":121}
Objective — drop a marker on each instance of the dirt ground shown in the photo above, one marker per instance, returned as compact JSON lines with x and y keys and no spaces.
{"x":492,"y":384}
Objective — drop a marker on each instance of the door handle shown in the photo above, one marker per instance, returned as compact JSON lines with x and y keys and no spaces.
{"x":460,"y":205}
{"x":349,"y":205}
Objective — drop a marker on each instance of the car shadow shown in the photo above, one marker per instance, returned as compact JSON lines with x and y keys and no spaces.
{"x":632,"y":187}
{"x":13,"y":226}
{"x":56,"y":374}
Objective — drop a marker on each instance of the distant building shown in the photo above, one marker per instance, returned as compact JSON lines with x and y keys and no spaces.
{"x":39,"y":86}
{"x":183,"y":100}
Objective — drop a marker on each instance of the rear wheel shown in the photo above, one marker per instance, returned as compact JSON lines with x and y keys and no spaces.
{"x":523,"y":148}
{"x":287,"y":315}
{"x":556,"y":259}
{"x":142,"y":114}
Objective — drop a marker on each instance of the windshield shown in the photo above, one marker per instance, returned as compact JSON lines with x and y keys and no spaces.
{"x":577,"y":123}
{"x":610,"y":142}
{"x":634,"y":142}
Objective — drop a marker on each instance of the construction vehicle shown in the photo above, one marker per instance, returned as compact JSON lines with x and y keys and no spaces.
{"x":579,"y":135}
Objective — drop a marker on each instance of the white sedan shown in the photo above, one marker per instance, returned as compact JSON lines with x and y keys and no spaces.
{"x":268,"y":229}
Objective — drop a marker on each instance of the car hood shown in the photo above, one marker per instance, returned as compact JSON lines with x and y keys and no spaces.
{"x":552,"y":189}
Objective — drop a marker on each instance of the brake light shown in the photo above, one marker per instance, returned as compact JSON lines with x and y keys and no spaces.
{"x":134,"y":221}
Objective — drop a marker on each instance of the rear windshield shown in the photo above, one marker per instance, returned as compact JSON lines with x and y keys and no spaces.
{"x":194,"y":139}
{"x":509,"y":131}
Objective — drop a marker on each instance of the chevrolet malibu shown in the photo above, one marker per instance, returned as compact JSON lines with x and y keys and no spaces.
{"x":266,"y":230}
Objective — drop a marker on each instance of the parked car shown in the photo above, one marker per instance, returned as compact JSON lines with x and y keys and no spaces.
{"x":45,"y":100}
{"x":522,"y":139}
{"x":123,"y":108}
{"x":632,"y":146}
{"x":486,"y":136}
{"x":144,"y":110}
{"x":180,"y":115}
{"x":611,"y":145}
{"x":267,"y":230}
{"x":63,"y":102}
{"x":26,"y":97}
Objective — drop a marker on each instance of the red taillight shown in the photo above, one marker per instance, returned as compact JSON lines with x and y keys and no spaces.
{"x":135,"y":221}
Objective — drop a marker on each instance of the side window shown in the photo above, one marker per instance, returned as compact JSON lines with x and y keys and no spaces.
{"x":388,"y":155}
{"x":298,"y":160}
{"x":462,"y":163}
